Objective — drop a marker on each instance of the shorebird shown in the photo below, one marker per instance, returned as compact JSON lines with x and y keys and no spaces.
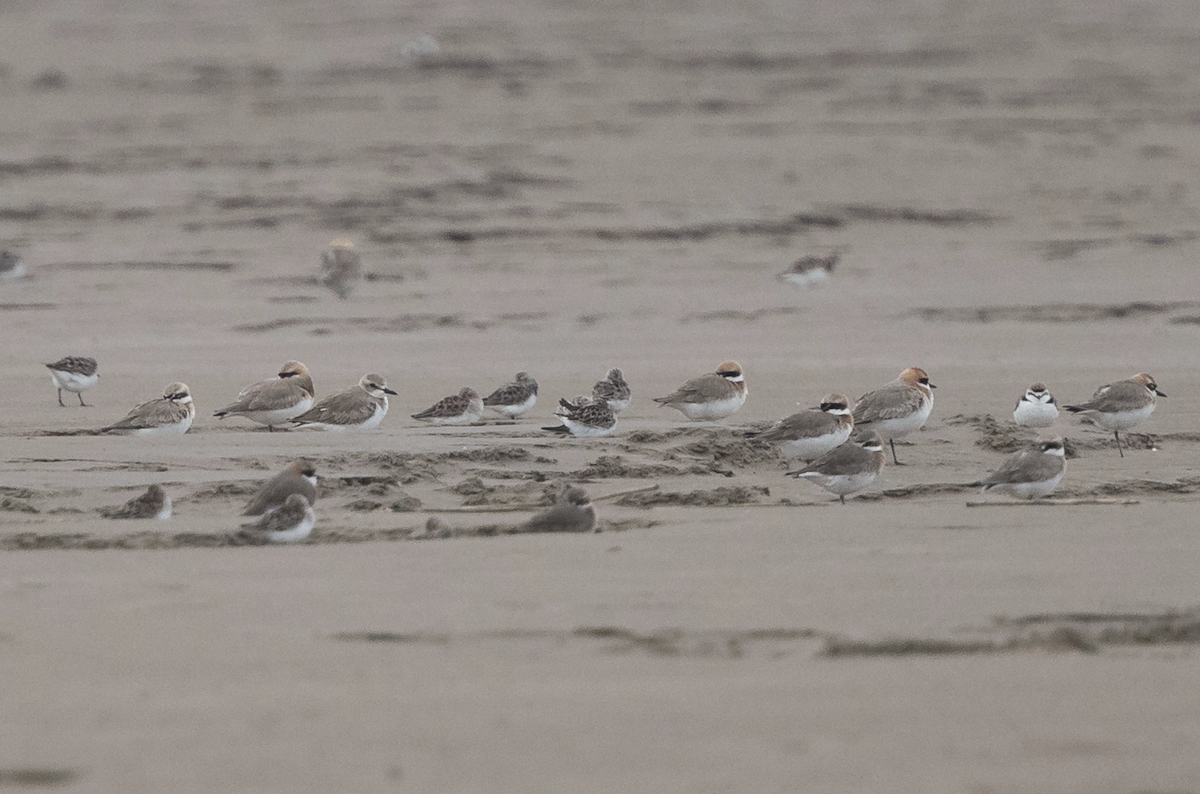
{"x":513,"y":399}
{"x":171,"y":414}
{"x":1030,"y":473}
{"x":1121,"y":405}
{"x":810,"y":271}
{"x":341,"y":267}
{"x":585,"y":417}
{"x":613,"y":390}
{"x":897,"y":409}
{"x":809,"y":434}
{"x":712,"y":396}
{"x":154,"y":503}
{"x":11,"y":268}
{"x":573,"y":511}
{"x":275,"y":400}
{"x":464,"y":408}
{"x":74,"y":374}
{"x":300,"y":477}
{"x":1036,"y":408}
{"x":289,"y":523}
{"x":849,"y":468}
{"x":361,"y":407}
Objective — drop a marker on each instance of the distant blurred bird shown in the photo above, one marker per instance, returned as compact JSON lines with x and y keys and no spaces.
{"x":573,"y":511}
{"x":341,"y":267}
{"x":513,"y":399}
{"x":613,"y":390}
{"x":154,"y":503}
{"x":810,"y":271}
{"x":290,"y":522}
{"x":11,"y":268}
{"x":171,"y":414}
{"x":75,"y":374}
{"x":275,"y":400}
{"x":464,"y":408}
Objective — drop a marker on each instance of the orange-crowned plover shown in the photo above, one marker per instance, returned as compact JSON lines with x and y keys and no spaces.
{"x":11,"y":267}
{"x":897,"y":409}
{"x":276,"y":400}
{"x":73,"y":373}
{"x":300,"y":477}
{"x":808,"y":435}
{"x":1036,"y":408}
{"x":1121,"y":405}
{"x":849,"y":468}
{"x":464,"y":408}
{"x":290,"y":522}
{"x":712,"y":396}
{"x":613,"y":390}
{"x":341,"y":267}
{"x":154,"y":503}
{"x":513,"y":399}
{"x":361,"y":407}
{"x":171,"y":414}
{"x":811,"y":270}
{"x":584,"y":417}
{"x":573,"y":511}
{"x":1030,"y":473}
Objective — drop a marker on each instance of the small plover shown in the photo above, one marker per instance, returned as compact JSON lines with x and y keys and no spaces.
{"x":585,"y":417}
{"x":276,"y":400}
{"x":361,"y":407}
{"x":811,"y":270}
{"x":849,"y":468}
{"x":1121,"y":405}
{"x":171,"y":414}
{"x":1036,"y":408}
{"x":573,"y":511}
{"x":341,"y":267}
{"x":290,"y":522}
{"x":613,"y":390}
{"x":300,"y":477}
{"x":1030,"y":473}
{"x":74,"y":374}
{"x":154,"y":503}
{"x":464,"y":408}
{"x":808,"y":435}
{"x":712,"y":396}
{"x":513,"y":399}
{"x":897,"y":409}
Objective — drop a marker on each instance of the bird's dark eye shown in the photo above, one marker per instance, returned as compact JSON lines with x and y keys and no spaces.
{"x":924,"y":380}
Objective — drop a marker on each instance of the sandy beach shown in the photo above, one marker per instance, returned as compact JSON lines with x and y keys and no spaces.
{"x":562,"y":188}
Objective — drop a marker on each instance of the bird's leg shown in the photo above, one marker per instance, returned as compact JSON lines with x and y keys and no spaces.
{"x":892,"y":442}
{"x":60,"y":402}
{"x":1117,"y":435}
{"x":842,"y":496}
{"x":80,"y":396}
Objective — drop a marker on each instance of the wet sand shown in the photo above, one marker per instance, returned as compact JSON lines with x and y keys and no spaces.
{"x":562,"y":189}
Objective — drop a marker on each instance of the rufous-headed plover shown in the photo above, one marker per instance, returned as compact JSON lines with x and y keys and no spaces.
{"x":171,"y":414}
{"x":849,"y":468}
{"x":11,"y":267}
{"x":299,"y":477}
{"x":1030,"y":473}
{"x":290,"y":522}
{"x":1036,"y":408}
{"x":74,"y":374}
{"x":807,"y":435}
{"x":275,"y":400}
{"x":584,"y":417}
{"x":573,"y":511}
{"x":341,"y":267}
{"x":613,"y":390}
{"x":513,"y":399}
{"x":1121,"y":405}
{"x":154,"y":503}
{"x":361,"y":407}
{"x":811,"y":270}
{"x":712,"y":396}
{"x":897,"y":409}
{"x":464,"y":408}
